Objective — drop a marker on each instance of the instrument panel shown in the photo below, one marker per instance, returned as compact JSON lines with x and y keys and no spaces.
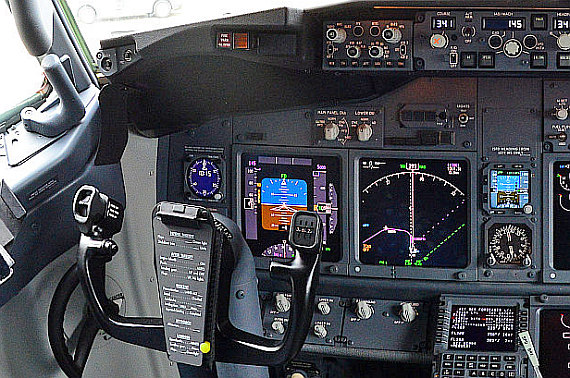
{"x":470,"y":40}
{"x":444,"y":190}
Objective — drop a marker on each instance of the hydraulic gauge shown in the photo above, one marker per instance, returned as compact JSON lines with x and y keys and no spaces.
{"x":204,"y":178}
{"x":509,"y":243}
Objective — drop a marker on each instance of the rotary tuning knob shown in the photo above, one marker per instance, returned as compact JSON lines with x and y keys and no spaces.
{"x":407,"y":312}
{"x":363,"y":310}
{"x":527,"y":261}
{"x":282,"y":304}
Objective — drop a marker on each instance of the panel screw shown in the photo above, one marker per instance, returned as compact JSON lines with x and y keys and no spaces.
{"x":543,"y":298}
{"x":240,"y":294}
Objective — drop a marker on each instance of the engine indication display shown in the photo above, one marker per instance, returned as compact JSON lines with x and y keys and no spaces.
{"x":509,"y":189}
{"x":276,"y":187}
{"x":561,"y":209}
{"x":483,"y":328}
{"x":554,"y":343}
{"x":510,"y":244}
{"x":414,"y":212}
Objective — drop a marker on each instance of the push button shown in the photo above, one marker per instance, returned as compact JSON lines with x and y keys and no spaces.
{"x":564,"y":60}
{"x":468,"y":59}
{"x":538,"y":22}
{"x":486,"y":60}
{"x":538,"y":60}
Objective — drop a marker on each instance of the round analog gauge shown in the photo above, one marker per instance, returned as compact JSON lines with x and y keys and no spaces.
{"x":510,"y":243}
{"x":204,"y":178}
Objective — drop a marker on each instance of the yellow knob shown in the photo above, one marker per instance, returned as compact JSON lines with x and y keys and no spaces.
{"x":205,"y":347}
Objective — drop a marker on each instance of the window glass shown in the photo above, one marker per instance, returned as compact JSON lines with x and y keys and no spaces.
{"x":103,"y":19}
{"x":21,"y":73}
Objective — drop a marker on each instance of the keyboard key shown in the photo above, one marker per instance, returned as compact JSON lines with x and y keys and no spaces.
{"x":510,"y":358}
{"x":495,"y":366}
{"x":483,"y":358}
{"x":483,"y":365}
{"x":471,"y":357}
{"x":459,"y":365}
{"x":449,"y":356}
{"x":510,"y":367}
{"x":472,"y":373}
{"x":495,"y":358}
{"x":459,"y":373}
{"x":472,"y":365}
{"x":447,"y":364}
{"x":460,"y":357}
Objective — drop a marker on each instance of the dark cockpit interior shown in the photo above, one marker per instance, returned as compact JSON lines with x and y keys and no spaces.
{"x":375,"y":189}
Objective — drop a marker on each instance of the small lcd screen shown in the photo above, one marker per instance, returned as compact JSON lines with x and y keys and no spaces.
{"x":414,"y":212}
{"x":561,"y":209}
{"x":561,"y":23}
{"x":443,"y":23}
{"x":483,"y":328}
{"x":554,"y":343}
{"x":276,"y":187}
{"x":509,"y":189}
{"x":504,"y":23}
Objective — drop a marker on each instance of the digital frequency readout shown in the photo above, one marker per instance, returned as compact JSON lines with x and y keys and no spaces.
{"x":414,"y":212}
{"x":483,"y":328}
{"x":276,"y":187}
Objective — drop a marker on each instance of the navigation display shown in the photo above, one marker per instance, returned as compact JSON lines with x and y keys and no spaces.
{"x":414,"y":212}
{"x":276,"y":187}
{"x":554,"y":343}
{"x":561,"y":209}
{"x":509,"y":189}
{"x":483,"y":328}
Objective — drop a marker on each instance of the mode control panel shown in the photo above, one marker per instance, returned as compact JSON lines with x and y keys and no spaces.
{"x":492,"y":40}
{"x":368,"y":45}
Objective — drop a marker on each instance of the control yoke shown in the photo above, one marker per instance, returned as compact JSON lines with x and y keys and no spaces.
{"x":98,"y":217}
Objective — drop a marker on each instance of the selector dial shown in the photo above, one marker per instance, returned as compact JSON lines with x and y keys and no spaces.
{"x":324,"y":308}
{"x":364,"y":310}
{"x":282,"y":304}
{"x":320,"y":331}
{"x":331,"y":131}
{"x":392,"y":35}
{"x":564,"y":41}
{"x":438,"y":41}
{"x":336,"y":35}
{"x":510,"y":243}
{"x":278,"y":327}
{"x":512,"y":48}
{"x":353,"y":52}
{"x":364,"y":132}
{"x":561,"y":114}
{"x":407,"y":312}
